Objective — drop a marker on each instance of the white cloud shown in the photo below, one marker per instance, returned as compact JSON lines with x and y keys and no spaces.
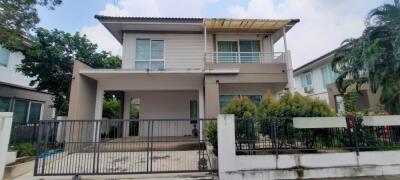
{"x":100,"y":35}
{"x":111,"y":10}
{"x":323,"y":24}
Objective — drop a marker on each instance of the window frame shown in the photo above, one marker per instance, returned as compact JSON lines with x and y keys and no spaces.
{"x":237,"y":58}
{"x":331,"y":76}
{"x":30,"y":101}
{"x":304,"y":76}
{"x":149,"y":62}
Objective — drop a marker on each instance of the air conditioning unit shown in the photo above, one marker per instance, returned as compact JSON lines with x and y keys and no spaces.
{"x":308,"y":89}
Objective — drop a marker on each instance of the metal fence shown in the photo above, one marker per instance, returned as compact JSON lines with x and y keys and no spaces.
{"x":94,"y":147}
{"x":24,"y":133}
{"x":278,"y":136}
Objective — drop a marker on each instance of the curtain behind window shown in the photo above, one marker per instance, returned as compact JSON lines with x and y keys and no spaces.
{"x":20,"y":111}
{"x":228,"y":51}
{"x":34,"y":113}
{"x":4,"y":55}
{"x":249,"y":51}
{"x":4,"y":104}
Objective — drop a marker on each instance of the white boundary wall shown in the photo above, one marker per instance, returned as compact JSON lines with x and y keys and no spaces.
{"x":294,"y":166}
{"x":5,"y":131}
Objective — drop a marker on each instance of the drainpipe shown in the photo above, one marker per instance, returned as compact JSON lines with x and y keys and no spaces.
{"x":288,"y":60}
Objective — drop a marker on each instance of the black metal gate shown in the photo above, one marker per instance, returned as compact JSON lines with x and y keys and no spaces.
{"x":96,"y":147}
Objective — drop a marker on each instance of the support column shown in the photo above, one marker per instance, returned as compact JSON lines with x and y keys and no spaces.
{"x":201,"y":111}
{"x":288,"y":60}
{"x":211,"y":99}
{"x":98,"y":113}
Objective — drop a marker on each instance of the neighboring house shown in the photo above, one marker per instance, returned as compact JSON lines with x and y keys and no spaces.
{"x":316,"y":79}
{"x":27,"y":104}
{"x":175,"y":68}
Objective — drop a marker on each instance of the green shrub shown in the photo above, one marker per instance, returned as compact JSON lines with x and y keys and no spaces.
{"x":111,"y":108}
{"x":289,"y":105}
{"x":24,"y":149}
{"x":212,"y":135}
{"x":242,"y":107}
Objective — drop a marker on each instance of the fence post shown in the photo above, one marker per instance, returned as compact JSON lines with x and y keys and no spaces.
{"x":274,"y":136}
{"x":353,"y":132}
{"x":5,"y":130}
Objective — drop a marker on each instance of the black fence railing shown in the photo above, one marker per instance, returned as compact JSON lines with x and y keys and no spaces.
{"x":24,"y":133}
{"x":95,"y":147}
{"x":278,"y":136}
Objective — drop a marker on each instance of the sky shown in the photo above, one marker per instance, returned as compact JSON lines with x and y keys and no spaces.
{"x":324,"y":24}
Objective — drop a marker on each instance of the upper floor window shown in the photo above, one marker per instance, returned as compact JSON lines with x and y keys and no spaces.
{"x":242,"y":51}
{"x":149,"y":54}
{"x":306,"y":80}
{"x":4,"y":55}
{"x":328,"y":76}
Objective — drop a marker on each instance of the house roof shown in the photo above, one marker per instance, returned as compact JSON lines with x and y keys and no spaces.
{"x":118,"y":25}
{"x":320,"y":60}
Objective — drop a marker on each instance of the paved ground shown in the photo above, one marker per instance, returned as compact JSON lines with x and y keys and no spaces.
{"x":116,"y":162}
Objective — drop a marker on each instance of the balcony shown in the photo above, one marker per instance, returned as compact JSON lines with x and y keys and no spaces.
{"x":244,"y":57}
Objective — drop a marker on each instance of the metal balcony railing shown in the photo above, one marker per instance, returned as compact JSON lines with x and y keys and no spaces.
{"x":244,"y":57}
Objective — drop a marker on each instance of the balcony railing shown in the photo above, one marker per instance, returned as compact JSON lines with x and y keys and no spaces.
{"x":244,"y":57}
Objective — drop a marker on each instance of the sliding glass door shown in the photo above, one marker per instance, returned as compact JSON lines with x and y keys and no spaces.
{"x":227,"y":52}
{"x":242,"y":51}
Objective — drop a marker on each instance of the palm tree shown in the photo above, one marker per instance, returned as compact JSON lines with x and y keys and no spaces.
{"x":375,"y":54}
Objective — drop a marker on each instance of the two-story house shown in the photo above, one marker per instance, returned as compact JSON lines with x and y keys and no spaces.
{"x":316,"y":79}
{"x":17,"y":96}
{"x":176,"y":68}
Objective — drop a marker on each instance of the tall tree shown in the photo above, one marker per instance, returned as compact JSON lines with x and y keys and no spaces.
{"x":374,"y":58}
{"x":17,"y":18}
{"x":49,"y":60}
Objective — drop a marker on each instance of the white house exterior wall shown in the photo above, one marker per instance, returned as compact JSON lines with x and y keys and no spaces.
{"x":9,"y":75}
{"x":185,"y":51}
{"x":317,"y":83}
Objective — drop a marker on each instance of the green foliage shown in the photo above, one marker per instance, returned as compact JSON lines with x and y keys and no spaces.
{"x":241,"y":107}
{"x":374,"y":58}
{"x":350,"y":101}
{"x":49,"y":62}
{"x":212,"y":135}
{"x":290,"y":105}
{"x":24,"y":149}
{"x":111,"y":109}
{"x":17,"y":18}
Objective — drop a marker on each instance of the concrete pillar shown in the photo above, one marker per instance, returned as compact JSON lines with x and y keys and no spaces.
{"x":127,"y":112}
{"x":99,"y":103}
{"x":226,"y":143}
{"x":201,"y":111}
{"x":5,"y":131}
{"x":211,"y":99}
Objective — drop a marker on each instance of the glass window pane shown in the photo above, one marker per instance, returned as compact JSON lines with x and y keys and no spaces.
{"x":143,"y":49}
{"x":325,"y":76}
{"x":4,"y":55}
{"x":4,"y":104}
{"x":249,"y":51}
{"x":224,"y":100}
{"x":157,"y":49}
{"x":157,"y":65}
{"x":303,"y":81}
{"x":227,"y":52}
{"x":34,"y":112}
{"x":256,"y":99}
{"x":142,"y":65}
{"x":20,"y":111}
{"x":193,"y":110}
{"x":308,"y":78}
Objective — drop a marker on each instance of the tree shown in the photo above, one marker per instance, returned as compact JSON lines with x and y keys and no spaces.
{"x":17,"y":18}
{"x":49,"y":61}
{"x":374,"y":58}
{"x":111,"y":108}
